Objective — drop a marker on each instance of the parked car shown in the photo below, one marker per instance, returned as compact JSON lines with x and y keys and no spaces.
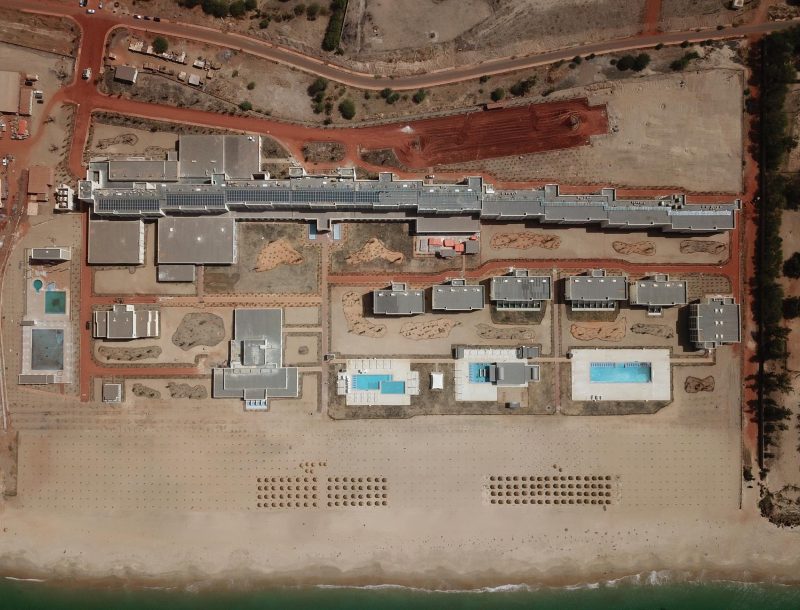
{"x":87,"y":74}
{"x":90,"y":11}
{"x":156,"y":18}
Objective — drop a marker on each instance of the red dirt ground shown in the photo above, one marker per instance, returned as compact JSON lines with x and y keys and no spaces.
{"x":496,"y":133}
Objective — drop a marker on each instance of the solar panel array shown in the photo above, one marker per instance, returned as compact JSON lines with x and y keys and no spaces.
{"x":127,"y":206}
{"x":197,"y":200}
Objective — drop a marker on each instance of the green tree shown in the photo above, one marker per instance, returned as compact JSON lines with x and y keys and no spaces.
{"x":245,"y":106}
{"x":251,"y":5}
{"x":312,"y":11}
{"x":237,"y":8}
{"x":625,"y":63}
{"x":318,"y":86}
{"x":251,"y":85}
{"x":347,"y":109}
{"x":217,"y":8}
{"x":498,"y":94}
{"x":160,"y":45}
{"x":791,"y":268}
{"x":641,"y":62}
{"x":791,"y":307}
{"x":523,"y":87}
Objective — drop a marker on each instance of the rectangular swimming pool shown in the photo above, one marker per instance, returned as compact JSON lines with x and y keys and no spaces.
{"x":393,"y":387}
{"x":478,"y":372}
{"x":620,"y":372}
{"x":55,"y":301}
{"x":369,"y":382}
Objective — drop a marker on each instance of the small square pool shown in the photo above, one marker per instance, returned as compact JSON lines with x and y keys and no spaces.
{"x":479,"y":372}
{"x":620,"y":372}
{"x":55,"y":301}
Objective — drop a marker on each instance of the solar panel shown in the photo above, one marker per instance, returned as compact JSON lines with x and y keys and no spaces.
{"x":128,"y":206}
{"x":196,"y":200}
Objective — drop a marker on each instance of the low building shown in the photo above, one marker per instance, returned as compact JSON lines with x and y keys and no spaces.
{"x":126,"y":322}
{"x":596,"y":291}
{"x":112,"y":393}
{"x":194,"y":80}
{"x":65,"y":199}
{"x":25,"y":106}
{"x":9,"y":92}
{"x":57,"y":255}
{"x":520,"y":291}
{"x":255,"y":371}
{"x":176,"y":273}
{"x":197,"y":240}
{"x":40,"y":183}
{"x":714,"y":323}
{"x":482,"y":372}
{"x":398,"y":301}
{"x":126,"y":74}
{"x":658,"y":292}
{"x":456,"y":295}
{"x":116,"y":242}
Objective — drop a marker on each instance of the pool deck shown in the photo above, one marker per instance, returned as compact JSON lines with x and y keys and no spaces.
{"x":397,"y":370}
{"x":658,"y":388}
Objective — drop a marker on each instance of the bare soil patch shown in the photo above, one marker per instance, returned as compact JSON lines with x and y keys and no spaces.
{"x":277,"y":253}
{"x":354,"y":315}
{"x":323,"y":152}
{"x":129,"y":354}
{"x":656,"y":330}
{"x":375,"y":250}
{"x":644,"y":248}
{"x":692,"y":385}
{"x":603,"y":331}
{"x":41,"y":32}
{"x":491,"y":333}
{"x":184,"y":390}
{"x":142,"y":391}
{"x":524,"y":241}
{"x":433,"y":329}
{"x":689,"y":246}
{"x":199,"y":329}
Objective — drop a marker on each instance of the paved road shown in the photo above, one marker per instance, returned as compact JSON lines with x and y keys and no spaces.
{"x":339,"y":73}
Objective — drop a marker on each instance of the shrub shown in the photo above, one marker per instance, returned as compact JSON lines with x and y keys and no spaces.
{"x":318,"y":86}
{"x":680,"y":64}
{"x":251,"y":85}
{"x":235,"y":73}
{"x":251,"y":5}
{"x":419,"y":96}
{"x":347,"y":109}
{"x":385,"y":93}
{"x":659,"y":46}
{"x":264,"y":23}
{"x":312,"y":11}
{"x":522,"y":87}
{"x":299,"y":9}
{"x":484,"y":78}
{"x":791,"y":267}
{"x":160,"y":45}
{"x":498,"y":94}
{"x":245,"y":106}
{"x":216,"y":8}
{"x":577,"y":60}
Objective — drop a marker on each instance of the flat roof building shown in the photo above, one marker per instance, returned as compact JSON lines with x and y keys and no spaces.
{"x":398,"y":301}
{"x":112,"y":392}
{"x":25,"y":106}
{"x":513,"y":374}
{"x":126,"y":74}
{"x":457,"y":295}
{"x":176,"y":273}
{"x":237,"y":157}
{"x":116,"y":242}
{"x":657,"y":292}
{"x":521,"y":291}
{"x":143,"y":170}
{"x":9,"y":92}
{"x":126,"y":322}
{"x":40,"y":182}
{"x":197,"y":240}
{"x":596,"y":291}
{"x":51,"y":254}
{"x":715,"y":322}
{"x":255,"y":371}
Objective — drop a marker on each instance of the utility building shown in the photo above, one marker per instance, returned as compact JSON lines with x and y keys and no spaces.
{"x":126,"y":322}
{"x":715,"y":322}
{"x":658,"y":292}
{"x":521,"y":291}
{"x":457,"y":295}
{"x":596,"y":291}
{"x":398,"y":301}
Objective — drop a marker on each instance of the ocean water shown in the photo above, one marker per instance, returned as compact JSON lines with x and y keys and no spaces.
{"x":24,"y":595}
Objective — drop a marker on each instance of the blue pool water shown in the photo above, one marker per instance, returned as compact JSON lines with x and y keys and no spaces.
{"x":478,"y":372}
{"x":369,"y":382}
{"x":620,"y":372}
{"x":393,"y":387}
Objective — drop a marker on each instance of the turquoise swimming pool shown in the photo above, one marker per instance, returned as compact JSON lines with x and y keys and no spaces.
{"x":478,"y":372}
{"x":383,"y":383}
{"x":55,"y":301}
{"x":620,"y":372}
